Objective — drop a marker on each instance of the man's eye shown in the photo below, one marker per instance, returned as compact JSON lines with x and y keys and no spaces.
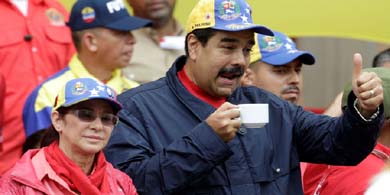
{"x":248,"y":50}
{"x":228,"y":47}
{"x":280,"y":71}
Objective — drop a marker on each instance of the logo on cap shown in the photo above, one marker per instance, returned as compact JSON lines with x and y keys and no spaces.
{"x":229,"y":10}
{"x":270,"y":44}
{"x":88,"y":14}
{"x":79,"y":88}
{"x":115,"y":6}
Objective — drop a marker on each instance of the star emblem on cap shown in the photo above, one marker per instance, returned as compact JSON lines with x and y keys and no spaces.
{"x":288,"y":46}
{"x":244,"y":19}
{"x":94,"y":92}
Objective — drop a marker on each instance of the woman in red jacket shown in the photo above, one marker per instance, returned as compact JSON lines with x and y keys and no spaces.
{"x":83,"y":117}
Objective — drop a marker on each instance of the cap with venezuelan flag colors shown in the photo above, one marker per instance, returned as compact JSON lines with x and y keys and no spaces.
{"x":225,"y":15}
{"x":278,"y":50}
{"x":83,"y":89}
{"x":111,"y":14}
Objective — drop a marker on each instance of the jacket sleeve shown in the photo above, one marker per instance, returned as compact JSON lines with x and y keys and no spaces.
{"x":345,"y":140}
{"x":36,"y":112}
{"x":168,"y":169}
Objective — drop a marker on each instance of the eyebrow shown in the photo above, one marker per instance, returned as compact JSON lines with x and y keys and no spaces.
{"x":232,"y":40}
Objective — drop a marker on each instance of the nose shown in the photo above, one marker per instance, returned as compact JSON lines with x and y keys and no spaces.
{"x":97,"y":124}
{"x":295,"y":78}
{"x":240,"y":59}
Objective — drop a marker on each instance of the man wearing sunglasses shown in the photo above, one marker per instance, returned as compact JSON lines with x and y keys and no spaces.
{"x":101,"y":32}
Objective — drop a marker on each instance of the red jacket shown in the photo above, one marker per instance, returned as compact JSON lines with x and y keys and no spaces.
{"x":32,"y":48}
{"x":2,"y":96}
{"x":33,"y":175}
{"x":351,"y":180}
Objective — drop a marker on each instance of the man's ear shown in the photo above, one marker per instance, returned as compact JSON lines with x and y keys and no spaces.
{"x":248,"y":78}
{"x":193,"y":46}
{"x":90,"y":41}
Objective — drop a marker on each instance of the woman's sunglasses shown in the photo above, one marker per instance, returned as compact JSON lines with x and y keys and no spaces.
{"x":86,"y":115}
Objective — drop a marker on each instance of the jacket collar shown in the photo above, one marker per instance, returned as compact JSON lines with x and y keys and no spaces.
{"x":203,"y":109}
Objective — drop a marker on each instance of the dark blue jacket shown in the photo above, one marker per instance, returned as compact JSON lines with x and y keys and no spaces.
{"x":165,"y":145}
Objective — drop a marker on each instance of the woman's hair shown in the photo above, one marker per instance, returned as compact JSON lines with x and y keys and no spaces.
{"x":51,"y":133}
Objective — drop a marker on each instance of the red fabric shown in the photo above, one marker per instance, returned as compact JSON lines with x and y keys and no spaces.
{"x":2,"y":97}
{"x":198,"y":92}
{"x":26,"y":63}
{"x":351,"y":180}
{"x":315,"y":110}
{"x":71,"y":173}
{"x":33,"y":178}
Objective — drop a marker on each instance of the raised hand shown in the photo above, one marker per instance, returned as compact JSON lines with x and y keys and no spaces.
{"x":225,"y":121}
{"x":367,"y":87}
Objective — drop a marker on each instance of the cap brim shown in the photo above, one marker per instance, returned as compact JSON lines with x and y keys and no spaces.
{"x":256,"y":28}
{"x":282,"y":59}
{"x":116,"y":106}
{"x":129,"y":23}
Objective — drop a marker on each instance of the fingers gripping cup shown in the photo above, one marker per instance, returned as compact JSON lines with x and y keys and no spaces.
{"x":254,"y":115}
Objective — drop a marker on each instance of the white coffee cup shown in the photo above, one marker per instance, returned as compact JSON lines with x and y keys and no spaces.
{"x":254,"y":115}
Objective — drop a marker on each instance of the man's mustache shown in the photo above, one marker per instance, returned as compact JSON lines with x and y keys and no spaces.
{"x":235,"y":71}
{"x":290,"y":87}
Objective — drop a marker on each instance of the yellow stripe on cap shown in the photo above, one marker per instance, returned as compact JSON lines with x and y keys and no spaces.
{"x":202,"y":16}
{"x":255,"y":53}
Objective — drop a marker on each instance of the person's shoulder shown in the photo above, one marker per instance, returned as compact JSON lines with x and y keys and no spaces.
{"x":8,"y":185}
{"x":50,"y":85}
{"x":143,"y":90}
{"x":119,"y":177}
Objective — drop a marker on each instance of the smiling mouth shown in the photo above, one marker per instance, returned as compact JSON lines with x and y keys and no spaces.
{"x":93,"y":137}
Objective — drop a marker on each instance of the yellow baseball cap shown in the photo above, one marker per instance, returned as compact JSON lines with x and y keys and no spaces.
{"x":225,"y":15}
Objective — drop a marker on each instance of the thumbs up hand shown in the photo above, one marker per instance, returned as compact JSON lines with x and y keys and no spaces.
{"x":367,"y":87}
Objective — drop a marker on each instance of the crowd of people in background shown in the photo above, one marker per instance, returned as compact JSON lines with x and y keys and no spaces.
{"x":99,"y":101}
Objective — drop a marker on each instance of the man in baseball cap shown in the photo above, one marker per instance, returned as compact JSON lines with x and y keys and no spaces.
{"x":182,"y":133}
{"x":110,"y":14}
{"x":276,"y":66}
{"x":101,"y":32}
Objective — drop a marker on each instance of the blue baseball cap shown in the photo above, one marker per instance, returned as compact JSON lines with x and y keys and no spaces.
{"x":110,"y":14}
{"x":225,"y":15}
{"x":83,"y":89}
{"x":278,"y":50}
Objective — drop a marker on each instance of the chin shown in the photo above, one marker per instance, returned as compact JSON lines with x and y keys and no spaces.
{"x":224,"y":92}
{"x":92,"y":149}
